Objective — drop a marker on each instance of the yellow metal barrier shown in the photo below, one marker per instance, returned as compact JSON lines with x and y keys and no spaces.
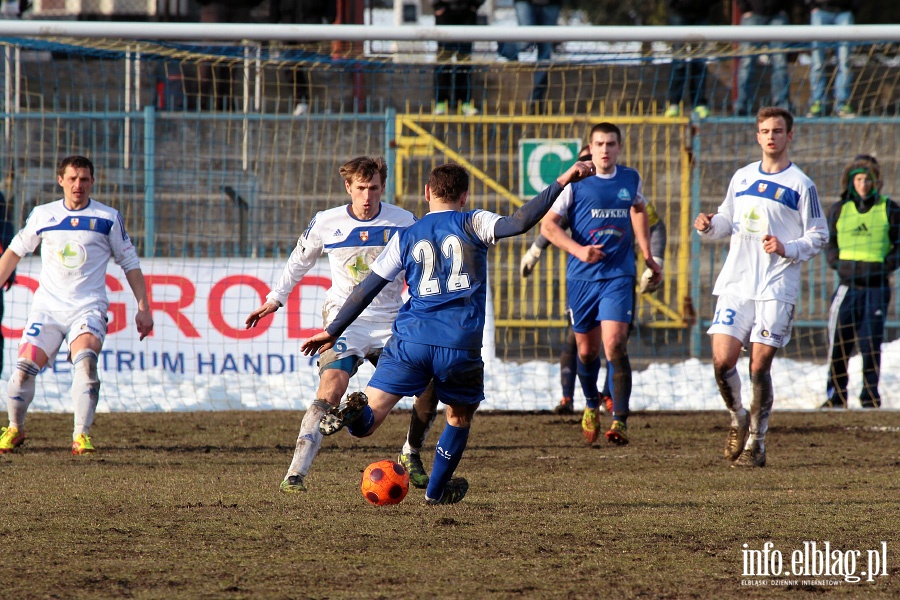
{"x":487,"y":146}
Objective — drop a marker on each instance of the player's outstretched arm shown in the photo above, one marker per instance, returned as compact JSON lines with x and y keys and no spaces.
{"x":527,"y":215}
{"x":361,"y":296}
{"x":144,"y":318}
{"x":266,"y":309}
{"x":320,"y":342}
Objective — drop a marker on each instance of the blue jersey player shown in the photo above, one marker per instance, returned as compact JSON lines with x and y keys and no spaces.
{"x":605,"y":213}
{"x":438,"y":332}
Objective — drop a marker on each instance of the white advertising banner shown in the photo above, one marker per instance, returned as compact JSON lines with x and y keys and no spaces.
{"x":199,"y":308}
{"x":200,"y":355}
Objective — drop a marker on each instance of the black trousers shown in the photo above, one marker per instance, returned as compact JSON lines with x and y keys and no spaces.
{"x":453,"y":79}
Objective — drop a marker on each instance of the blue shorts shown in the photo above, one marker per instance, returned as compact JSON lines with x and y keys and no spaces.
{"x":591,"y":302}
{"x":405,"y":368}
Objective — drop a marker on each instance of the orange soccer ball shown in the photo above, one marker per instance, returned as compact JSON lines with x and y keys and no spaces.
{"x":384,"y":482}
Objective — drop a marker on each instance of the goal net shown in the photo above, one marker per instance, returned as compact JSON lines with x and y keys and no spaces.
{"x":205,"y":149}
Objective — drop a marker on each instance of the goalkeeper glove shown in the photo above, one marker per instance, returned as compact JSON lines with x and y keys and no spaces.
{"x":529,"y":259}
{"x":645,"y":286}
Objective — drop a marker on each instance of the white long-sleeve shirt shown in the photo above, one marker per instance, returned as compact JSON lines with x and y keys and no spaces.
{"x":352,"y":245}
{"x":76,"y":246}
{"x":785,"y":205}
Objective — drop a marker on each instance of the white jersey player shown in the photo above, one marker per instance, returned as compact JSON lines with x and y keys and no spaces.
{"x":77,"y":236}
{"x":773,"y":215}
{"x":784,"y":205}
{"x":352,"y":236}
{"x":352,"y":244}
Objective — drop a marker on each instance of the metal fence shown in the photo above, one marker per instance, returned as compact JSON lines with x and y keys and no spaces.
{"x":196,"y":176}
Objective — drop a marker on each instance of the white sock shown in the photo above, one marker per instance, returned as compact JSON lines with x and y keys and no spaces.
{"x":730,"y":389}
{"x":20,"y":392}
{"x":760,"y":407}
{"x":309,"y":440}
{"x":407,"y":449}
{"x":85,"y":390}
{"x":737,"y":416}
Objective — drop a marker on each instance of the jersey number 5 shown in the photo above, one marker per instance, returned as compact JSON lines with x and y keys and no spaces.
{"x":424,"y":254}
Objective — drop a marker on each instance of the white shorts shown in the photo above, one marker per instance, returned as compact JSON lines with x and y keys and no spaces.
{"x":47,"y":330}
{"x":363,"y":339}
{"x":766,"y":322}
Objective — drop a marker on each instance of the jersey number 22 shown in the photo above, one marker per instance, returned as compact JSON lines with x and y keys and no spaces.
{"x":424,"y":254}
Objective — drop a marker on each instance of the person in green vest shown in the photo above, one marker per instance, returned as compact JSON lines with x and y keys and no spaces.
{"x":864,"y":248}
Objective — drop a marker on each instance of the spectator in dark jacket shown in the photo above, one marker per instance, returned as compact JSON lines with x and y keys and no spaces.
{"x":687,"y":75}
{"x":763,"y":12}
{"x":453,"y":73}
{"x":864,"y":248}
{"x":831,"y":12}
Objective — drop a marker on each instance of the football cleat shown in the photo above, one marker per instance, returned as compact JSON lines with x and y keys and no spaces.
{"x":292,"y":484}
{"x":565,"y":407}
{"x":82,"y":445}
{"x":412,"y":462}
{"x":751,"y":457}
{"x":618,"y":433}
{"x":346,"y":412}
{"x":607,"y":402}
{"x":590,"y":424}
{"x":454,"y":491}
{"x":10,"y":439}
{"x":737,"y":438}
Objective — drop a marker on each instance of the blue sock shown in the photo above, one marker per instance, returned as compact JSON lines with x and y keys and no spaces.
{"x":607,"y":383}
{"x":620,"y":370}
{"x":587,"y":375}
{"x":449,"y":450}
{"x":568,"y":366}
{"x":361,"y":426}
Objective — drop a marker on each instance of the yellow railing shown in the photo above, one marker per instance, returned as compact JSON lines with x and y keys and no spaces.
{"x":487,"y":146}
